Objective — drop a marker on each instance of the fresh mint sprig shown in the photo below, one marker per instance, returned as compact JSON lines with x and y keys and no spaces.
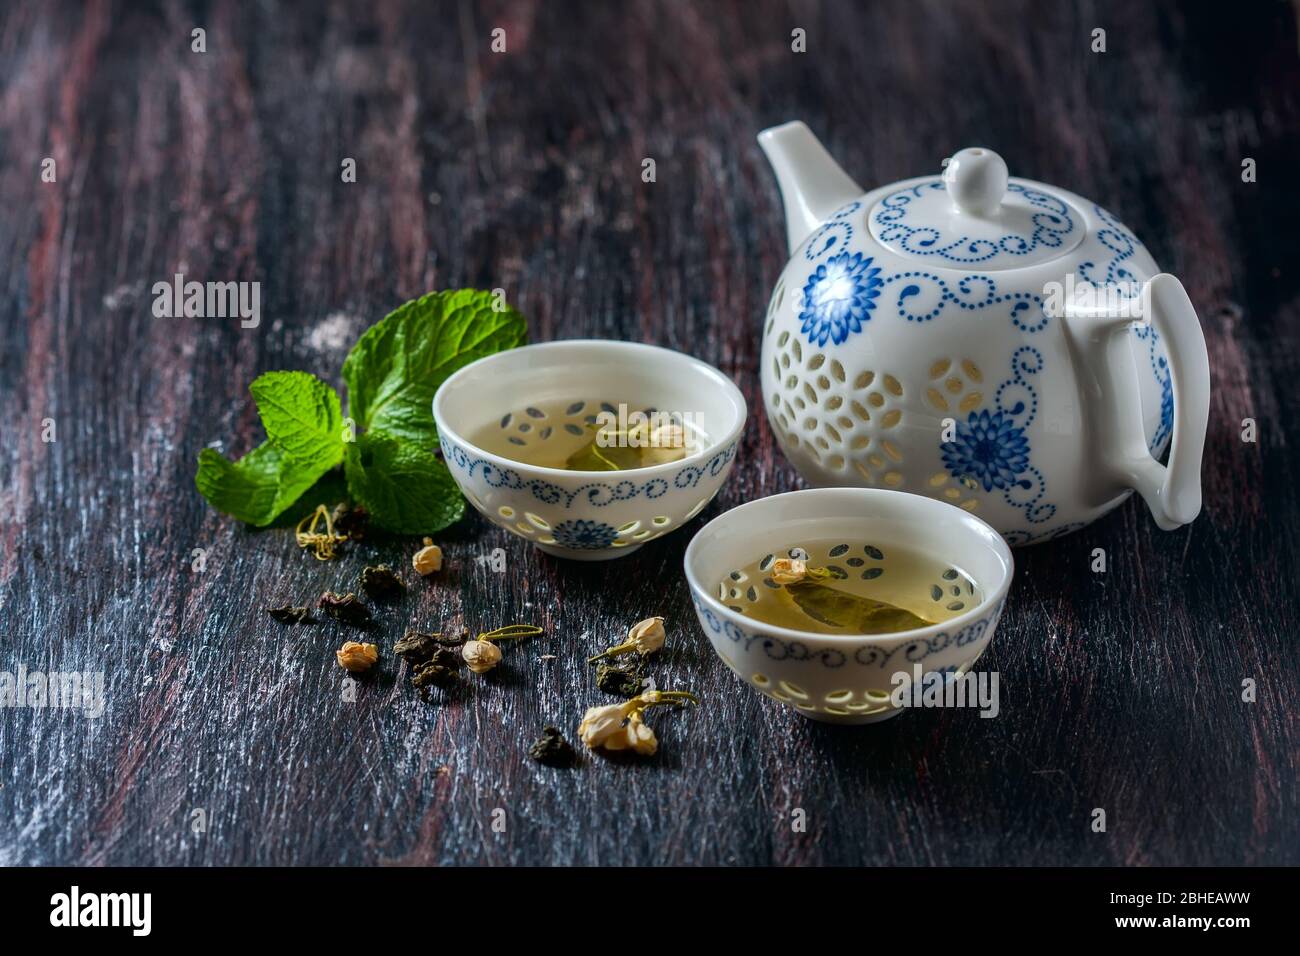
{"x":388,"y":449}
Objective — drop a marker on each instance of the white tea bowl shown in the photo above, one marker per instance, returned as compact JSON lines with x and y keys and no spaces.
{"x":586,"y":515}
{"x":846,"y":679}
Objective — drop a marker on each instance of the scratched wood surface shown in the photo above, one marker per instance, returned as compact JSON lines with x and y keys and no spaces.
{"x":521,"y":170}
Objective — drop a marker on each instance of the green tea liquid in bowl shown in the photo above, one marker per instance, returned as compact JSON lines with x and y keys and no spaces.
{"x":586,"y":434}
{"x":836,"y":587}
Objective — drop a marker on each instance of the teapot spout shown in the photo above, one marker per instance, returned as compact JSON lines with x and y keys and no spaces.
{"x":812,"y":184}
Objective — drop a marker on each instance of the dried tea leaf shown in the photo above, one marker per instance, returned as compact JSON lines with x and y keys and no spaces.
{"x":857,"y":615}
{"x":288,"y":614}
{"x":346,"y":609}
{"x":381,"y":582}
{"x":552,"y":749}
{"x":446,"y":657}
{"x":430,"y":674}
{"x":416,"y":647}
{"x":619,"y":681}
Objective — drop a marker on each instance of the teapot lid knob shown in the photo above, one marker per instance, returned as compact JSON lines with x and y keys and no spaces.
{"x":976,"y":180}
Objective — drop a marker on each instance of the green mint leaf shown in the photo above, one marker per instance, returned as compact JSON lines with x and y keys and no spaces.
{"x":405,"y":487}
{"x":304,"y":428}
{"x":397,"y":365}
{"x":257,"y":487}
{"x":302,"y":417}
{"x":330,"y":490}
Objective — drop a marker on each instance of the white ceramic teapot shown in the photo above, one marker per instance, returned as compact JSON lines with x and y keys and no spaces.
{"x":997,"y":343}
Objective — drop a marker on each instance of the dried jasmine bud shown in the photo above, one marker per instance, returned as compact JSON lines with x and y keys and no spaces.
{"x":416,"y":647}
{"x":379,"y":581}
{"x":789,"y":570}
{"x":345,"y":608}
{"x":644,"y":637}
{"x":670,"y":435}
{"x":667,"y":443}
{"x":621,"y":727}
{"x":356,"y":657}
{"x":291,"y":615}
{"x":637,"y":736}
{"x":430,"y":674}
{"x":481,"y":654}
{"x":796,"y":570}
{"x":619,"y":681}
{"x":552,"y":749}
{"x":600,"y":723}
{"x":428,"y":559}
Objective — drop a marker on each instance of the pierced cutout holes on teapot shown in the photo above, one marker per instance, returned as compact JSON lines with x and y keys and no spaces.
{"x":840,"y":418}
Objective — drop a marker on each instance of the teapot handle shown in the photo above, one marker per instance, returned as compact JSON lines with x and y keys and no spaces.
{"x":1173,"y":492}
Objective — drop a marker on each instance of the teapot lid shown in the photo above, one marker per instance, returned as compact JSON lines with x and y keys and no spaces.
{"x":975,"y":217}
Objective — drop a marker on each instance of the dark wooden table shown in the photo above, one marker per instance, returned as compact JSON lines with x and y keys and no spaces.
{"x":226,"y":738}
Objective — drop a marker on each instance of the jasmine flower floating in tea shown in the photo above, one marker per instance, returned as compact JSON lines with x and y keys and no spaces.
{"x":611,"y":449}
{"x":834,"y":587}
{"x":587,"y":435}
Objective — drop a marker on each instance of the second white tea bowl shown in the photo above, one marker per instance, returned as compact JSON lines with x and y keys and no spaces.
{"x":847,"y":679}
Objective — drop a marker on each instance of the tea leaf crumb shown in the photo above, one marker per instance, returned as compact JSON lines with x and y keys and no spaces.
{"x":430,"y":674}
{"x":346,"y":609}
{"x":380,"y":581}
{"x":552,"y":749}
{"x":619,"y":681}
{"x":288,"y":614}
{"x":416,"y":647}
